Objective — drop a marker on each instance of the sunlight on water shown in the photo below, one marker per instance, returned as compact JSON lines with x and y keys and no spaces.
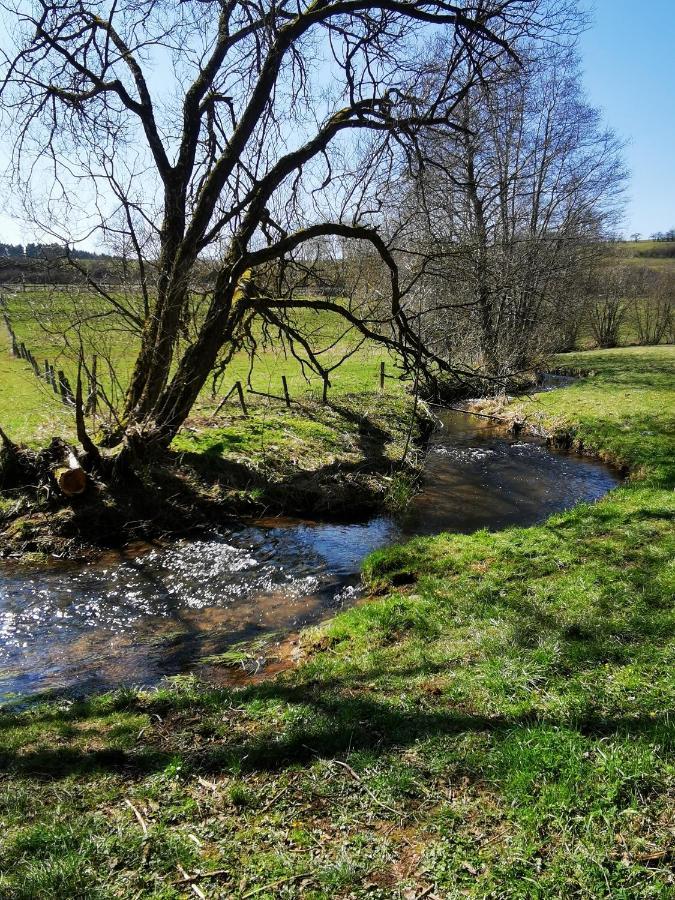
{"x":134,"y":620}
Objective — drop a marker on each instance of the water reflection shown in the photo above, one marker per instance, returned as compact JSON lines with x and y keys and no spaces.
{"x":478,"y":476}
{"x":134,"y":620}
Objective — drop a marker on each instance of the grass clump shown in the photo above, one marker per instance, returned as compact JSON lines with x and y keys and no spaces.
{"x":494,"y":722}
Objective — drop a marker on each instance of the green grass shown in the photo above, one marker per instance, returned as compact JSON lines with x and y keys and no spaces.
{"x":647,"y":254}
{"x":44,"y":320}
{"x":501,"y":726}
{"x":307,"y":435}
{"x":30,"y":412}
{"x":624,"y":413}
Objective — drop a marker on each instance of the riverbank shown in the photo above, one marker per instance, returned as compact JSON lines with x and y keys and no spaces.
{"x":357,"y":454}
{"x":493,"y":722}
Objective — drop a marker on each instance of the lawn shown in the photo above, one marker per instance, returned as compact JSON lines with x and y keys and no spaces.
{"x":495,"y":720}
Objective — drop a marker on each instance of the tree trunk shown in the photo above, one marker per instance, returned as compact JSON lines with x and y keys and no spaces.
{"x":153,"y":364}
{"x":153,"y":434}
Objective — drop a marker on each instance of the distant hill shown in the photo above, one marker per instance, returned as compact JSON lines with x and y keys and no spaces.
{"x":31,"y":270}
{"x":651,"y":254}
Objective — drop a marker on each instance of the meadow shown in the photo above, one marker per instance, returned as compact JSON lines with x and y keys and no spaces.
{"x":659,"y":255}
{"x":495,"y":720}
{"x":55,"y":322}
{"x":44,"y":320}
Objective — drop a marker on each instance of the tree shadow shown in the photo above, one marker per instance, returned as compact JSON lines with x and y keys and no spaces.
{"x":340,"y":724}
{"x":334,"y":491}
{"x":336,"y":715}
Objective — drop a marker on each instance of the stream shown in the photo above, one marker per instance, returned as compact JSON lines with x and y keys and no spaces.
{"x":134,"y":619}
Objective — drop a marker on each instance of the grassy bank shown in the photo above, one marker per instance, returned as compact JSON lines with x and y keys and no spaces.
{"x":496,"y":721}
{"x":354,"y":455}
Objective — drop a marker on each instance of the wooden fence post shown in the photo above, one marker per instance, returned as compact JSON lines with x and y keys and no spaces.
{"x":48,"y":373}
{"x":65,"y":388}
{"x":62,"y":384}
{"x":324,"y":397}
{"x":382,"y":376}
{"x":286,"y":394}
{"x":241,"y":397}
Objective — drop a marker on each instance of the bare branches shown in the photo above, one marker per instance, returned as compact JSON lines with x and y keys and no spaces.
{"x":252,"y":128}
{"x":512,"y":210}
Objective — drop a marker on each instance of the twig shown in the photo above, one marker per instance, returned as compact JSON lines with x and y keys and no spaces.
{"x":211,"y":785}
{"x":469,"y":412}
{"x":657,"y":854}
{"x":198,"y":892}
{"x":200,"y":876}
{"x":280,"y":794}
{"x":355,"y":776}
{"x":141,"y":820}
{"x":273,"y":884}
{"x":425,"y":892}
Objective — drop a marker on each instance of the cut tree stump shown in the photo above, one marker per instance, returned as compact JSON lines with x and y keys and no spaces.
{"x":70,"y":476}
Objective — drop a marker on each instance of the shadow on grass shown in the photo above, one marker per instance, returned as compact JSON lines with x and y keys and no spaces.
{"x":333,"y":722}
{"x":332,"y":490}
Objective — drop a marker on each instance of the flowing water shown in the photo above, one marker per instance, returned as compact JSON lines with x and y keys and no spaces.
{"x":136,"y":618}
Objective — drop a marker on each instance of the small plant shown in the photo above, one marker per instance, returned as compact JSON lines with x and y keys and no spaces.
{"x":400,"y":491}
{"x":241,"y":796}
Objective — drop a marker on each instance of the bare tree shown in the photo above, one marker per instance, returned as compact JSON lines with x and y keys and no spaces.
{"x":515,"y":207}
{"x":609,"y":306}
{"x":652,"y":298}
{"x":239,"y":131}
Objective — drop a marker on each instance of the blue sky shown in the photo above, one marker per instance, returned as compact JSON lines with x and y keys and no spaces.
{"x":628,"y":57}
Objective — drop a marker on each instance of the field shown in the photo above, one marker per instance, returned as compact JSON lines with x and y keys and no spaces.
{"x":658,"y":255}
{"x":495,"y":720}
{"x":47,"y":320}
{"x":30,"y":411}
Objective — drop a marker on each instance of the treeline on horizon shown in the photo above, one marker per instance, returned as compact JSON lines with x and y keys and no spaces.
{"x":46,"y":251}
{"x":666,"y":251}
